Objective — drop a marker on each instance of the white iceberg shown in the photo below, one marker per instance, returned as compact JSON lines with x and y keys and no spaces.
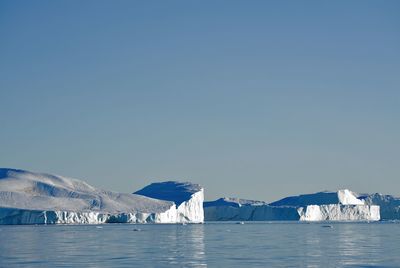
{"x":338,"y":212}
{"x":37,"y":198}
{"x":187,"y":196}
{"x":343,"y":205}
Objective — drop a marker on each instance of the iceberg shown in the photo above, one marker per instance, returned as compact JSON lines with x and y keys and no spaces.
{"x":187,"y":196}
{"x":235,"y":209}
{"x":343,"y":205}
{"x":38,"y":198}
{"x":338,"y":212}
{"x":389,"y":205}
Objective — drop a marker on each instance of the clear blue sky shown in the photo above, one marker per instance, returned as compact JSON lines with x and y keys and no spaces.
{"x":255,"y":99}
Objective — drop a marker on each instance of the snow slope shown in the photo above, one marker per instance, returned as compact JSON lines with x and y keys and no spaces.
{"x":187,"y":196}
{"x":38,"y":198}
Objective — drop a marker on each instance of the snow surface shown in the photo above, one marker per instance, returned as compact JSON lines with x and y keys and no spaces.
{"x":187,"y":196}
{"x":38,"y":198}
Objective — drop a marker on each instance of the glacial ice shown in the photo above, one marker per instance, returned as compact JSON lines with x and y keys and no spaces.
{"x":343,"y":205}
{"x":389,"y":205}
{"x":235,"y":209}
{"x":188,"y":198}
{"x":37,"y":198}
{"x":338,"y":212}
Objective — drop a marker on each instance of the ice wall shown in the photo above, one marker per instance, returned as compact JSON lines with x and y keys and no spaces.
{"x":250,"y":213}
{"x":25,"y":216}
{"x":236,"y":209}
{"x":337,"y":212}
{"x":389,"y":205}
{"x":187,"y":196}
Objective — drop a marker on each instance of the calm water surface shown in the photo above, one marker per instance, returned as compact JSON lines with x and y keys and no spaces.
{"x":210,"y":245}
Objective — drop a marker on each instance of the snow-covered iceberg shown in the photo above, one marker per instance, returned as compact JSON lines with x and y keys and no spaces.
{"x":187,"y":196}
{"x":235,"y":209}
{"x":37,"y":198}
{"x":343,"y":205}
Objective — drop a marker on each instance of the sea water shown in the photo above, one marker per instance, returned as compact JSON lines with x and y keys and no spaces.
{"x":256,"y":244}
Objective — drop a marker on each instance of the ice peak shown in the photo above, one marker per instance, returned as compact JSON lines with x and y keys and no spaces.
{"x":347,"y":197}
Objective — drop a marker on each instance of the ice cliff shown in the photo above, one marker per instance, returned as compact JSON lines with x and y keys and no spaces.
{"x":338,"y":212}
{"x":342,"y":205}
{"x":37,"y":198}
{"x":235,"y":209}
{"x":188,"y":198}
{"x":389,"y":205}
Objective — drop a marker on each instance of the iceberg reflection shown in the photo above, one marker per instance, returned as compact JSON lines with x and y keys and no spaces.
{"x":185,"y":246}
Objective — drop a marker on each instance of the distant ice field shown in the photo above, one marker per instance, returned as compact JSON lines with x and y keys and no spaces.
{"x":214,"y":244}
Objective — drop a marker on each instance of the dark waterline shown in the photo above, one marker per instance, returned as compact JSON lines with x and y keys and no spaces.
{"x":257,"y":244}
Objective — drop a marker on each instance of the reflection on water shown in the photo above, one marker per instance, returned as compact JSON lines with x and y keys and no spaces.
{"x":184,"y":246}
{"x":108,"y":246}
{"x":345,"y":244}
{"x":355,"y":246}
{"x":210,"y":245}
{"x":312,"y":248}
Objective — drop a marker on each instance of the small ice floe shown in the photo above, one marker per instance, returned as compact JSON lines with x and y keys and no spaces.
{"x":136,"y":230}
{"x":99,"y":227}
{"x":184,"y":223}
{"x":327,"y":226}
{"x":240,"y":222}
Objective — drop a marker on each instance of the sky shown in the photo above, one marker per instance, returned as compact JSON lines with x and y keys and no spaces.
{"x":251,"y":99}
